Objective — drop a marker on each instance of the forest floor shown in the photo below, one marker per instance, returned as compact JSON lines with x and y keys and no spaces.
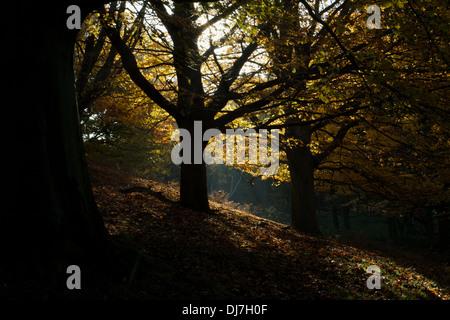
{"x":230,"y":254}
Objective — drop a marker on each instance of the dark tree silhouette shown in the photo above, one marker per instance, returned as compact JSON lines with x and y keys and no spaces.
{"x":50,"y":220}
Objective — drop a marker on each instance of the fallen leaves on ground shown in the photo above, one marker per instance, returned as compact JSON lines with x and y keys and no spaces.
{"x":230,"y":254}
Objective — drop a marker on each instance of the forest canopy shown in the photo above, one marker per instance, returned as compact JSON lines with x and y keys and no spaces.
{"x":362,"y":113}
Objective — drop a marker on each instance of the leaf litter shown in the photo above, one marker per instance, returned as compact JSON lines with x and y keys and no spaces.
{"x":231,"y":254}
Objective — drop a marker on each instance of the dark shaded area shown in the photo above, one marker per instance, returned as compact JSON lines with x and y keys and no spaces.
{"x":234,"y":255}
{"x":50,"y":220}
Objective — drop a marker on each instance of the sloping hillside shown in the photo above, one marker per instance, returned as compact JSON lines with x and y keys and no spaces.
{"x":230,"y":254}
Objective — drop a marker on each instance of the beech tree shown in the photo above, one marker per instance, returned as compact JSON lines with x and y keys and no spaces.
{"x":200,"y":96}
{"x":309,"y":55}
{"x":58,"y":224}
{"x":349,"y":80}
{"x":120,"y":124}
{"x":97,"y":65}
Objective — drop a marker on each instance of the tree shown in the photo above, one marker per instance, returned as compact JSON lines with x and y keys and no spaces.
{"x":120,"y":124}
{"x":51,"y":220}
{"x":200,"y":96}
{"x":331,"y":45}
{"x":96,"y":63}
{"x":309,"y":104}
{"x":398,"y":152}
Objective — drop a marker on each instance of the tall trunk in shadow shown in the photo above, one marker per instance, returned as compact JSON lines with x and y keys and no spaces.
{"x":190,"y":103}
{"x":193,"y":178}
{"x":193,"y":190}
{"x":50,"y":220}
{"x":301,"y":167}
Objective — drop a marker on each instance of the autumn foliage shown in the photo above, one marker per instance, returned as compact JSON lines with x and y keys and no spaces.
{"x":231,"y":254}
{"x":363,"y":120}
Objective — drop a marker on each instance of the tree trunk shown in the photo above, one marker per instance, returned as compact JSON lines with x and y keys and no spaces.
{"x":193,"y":178}
{"x":51,"y":219}
{"x":301,"y":168}
{"x":193,"y":186}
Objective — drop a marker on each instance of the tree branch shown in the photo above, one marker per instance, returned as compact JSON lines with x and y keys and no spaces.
{"x":327,"y":27}
{"x":130,"y":65}
{"x":248,"y":108}
{"x":225,"y":13}
{"x":231,"y":75}
{"x":337,"y":141}
{"x":318,"y":121}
